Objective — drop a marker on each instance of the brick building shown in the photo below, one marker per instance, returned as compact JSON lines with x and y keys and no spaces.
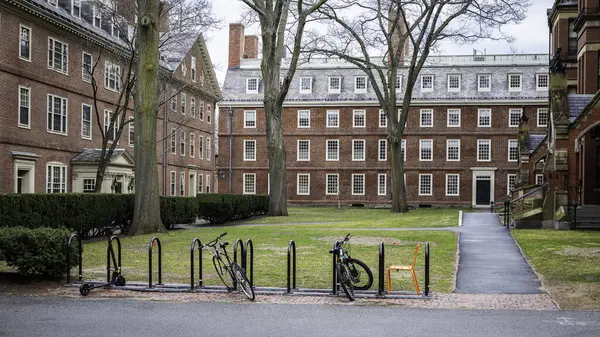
{"x":49,"y":131}
{"x":461,"y":139}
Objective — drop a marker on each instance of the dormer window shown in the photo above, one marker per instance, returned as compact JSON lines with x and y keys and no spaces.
{"x":453,"y":83}
{"x":114,"y":29}
{"x":360,"y":84}
{"x":426,"y":83}
{"x":306,"y":85}
{"x":398,"y":84}
{"x":76,"y":8}
{"x":252,"y":85}
{"x":541,"y":81}
{"x":193,"y":68}
{"x":515,"y":82}
{"x":335,"y":85}
{"x":484,"y":82}
{"x":96,"y":17}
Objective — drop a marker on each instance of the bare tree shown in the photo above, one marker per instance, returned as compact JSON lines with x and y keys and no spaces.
{"x":273,"y":17}
{"x":379,"y":36}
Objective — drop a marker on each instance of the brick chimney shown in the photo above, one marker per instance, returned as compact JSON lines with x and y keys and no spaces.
{"x":236,"y":44}
{"x":251,"y":47}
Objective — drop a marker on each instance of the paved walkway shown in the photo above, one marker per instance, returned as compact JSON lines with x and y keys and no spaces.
{"x":490,"y":261}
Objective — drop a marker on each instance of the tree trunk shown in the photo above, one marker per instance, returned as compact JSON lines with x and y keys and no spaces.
{"x":277,"y":161}
{"x":399,"y":204}
{"x":146,"y":216}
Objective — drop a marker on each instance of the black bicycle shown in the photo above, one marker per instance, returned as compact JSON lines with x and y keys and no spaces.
{"x":230,"y":273}
{"x":351,"y":273}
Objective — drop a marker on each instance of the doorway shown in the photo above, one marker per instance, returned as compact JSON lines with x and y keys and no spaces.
{"x":483,"y":190}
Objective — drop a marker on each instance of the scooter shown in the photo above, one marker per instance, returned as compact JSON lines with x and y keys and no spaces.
{"x":116,"y":278}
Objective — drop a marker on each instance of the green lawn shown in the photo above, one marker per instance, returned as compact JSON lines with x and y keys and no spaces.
{"x":270,"y":250}
{"x":363,"y":218}
{"x":568,"y":263}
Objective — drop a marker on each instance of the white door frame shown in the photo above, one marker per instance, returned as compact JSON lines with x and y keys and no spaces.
{"x":486,"y":172}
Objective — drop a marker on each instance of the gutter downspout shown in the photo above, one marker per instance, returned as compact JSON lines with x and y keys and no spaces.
{"x":230,"y":110}
{"x":164,"y":150}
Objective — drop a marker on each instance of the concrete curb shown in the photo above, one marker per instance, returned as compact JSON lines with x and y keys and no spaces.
{"x":456,"y":260}
{"x":460,"y":218}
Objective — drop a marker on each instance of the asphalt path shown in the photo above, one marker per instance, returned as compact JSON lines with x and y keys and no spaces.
{"x":57,"y":316}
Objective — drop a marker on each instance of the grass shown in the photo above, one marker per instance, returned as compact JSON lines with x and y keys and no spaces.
{"x":568,"y":264}
{"x":363,"y":218}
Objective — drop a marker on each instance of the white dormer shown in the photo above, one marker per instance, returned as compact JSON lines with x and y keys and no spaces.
{"x":427,"y":82}
{"x":454,"y":83}
{"x":306,"y":85}
{"x":334,"y":84}
{"x":360,"y":84}
{"x":252,"y":85}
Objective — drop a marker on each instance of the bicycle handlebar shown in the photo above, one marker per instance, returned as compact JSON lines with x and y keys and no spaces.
{"x":213,"y":243}
{"x":339,"y":244}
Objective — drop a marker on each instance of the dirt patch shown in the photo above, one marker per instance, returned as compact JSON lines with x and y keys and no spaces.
{"x":582,"y":252}
{"x":369,"y":240}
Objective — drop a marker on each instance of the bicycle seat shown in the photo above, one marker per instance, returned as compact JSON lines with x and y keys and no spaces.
{"x":223,"y":244}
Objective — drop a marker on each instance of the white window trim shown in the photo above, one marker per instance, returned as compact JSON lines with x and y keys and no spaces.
{"x":73,"y":7}
{"x":482,"y":89}
{"x":448,"y":118}
{"x":208,"y":113}
{"x":182,"y":141}
{"x":510,"y":112}
{"x":108,"y":66}
{"x":457,"y":185}
{"x":337,"y":184}
{"x":430,"y":184}
{"x":423,"y":89}
{"x":422,"y":111}
{"x":131,"y":142}
{"x":337,"y":153}
{"x":379,"y":142}
{"x":183,"y":103}
{"x":357,"y":90}
{"x":66,"y":182}
{"x":363,"y":183}
{"x":30,"y":37}
{"x":479,"y":118}
{"x":537,"y":176}
{"x":357,"y":113}
{"x":448,"y":149}
{"x":310,"y":80}
{"x":24,"y":126}
{"x":399,"y":80}
{"x":333,"y":112}
{"x":298,"y":122}
{"x":333,"y":90}
{"x":193,"y":73}
{"x":538,"y":117}
{"x":298,"y":183}
{"x":403,"y":146}
{"x":192,"y":107}
{"x":84,"y":72}
{"x":209,"y":150}
{"x":245,"y":153}
{"x":253,"y":175}
{"x":364,"y":142}
{"x":459,"y":83}
{"x":489,"y":142}
{"x":248,"y":91}
{"x":172,"y":139}
{"x":379,"y":184}
{"x":173,"y":184}
{"x":537,"y":82}
{"x":66,"y":132}
{"x":200,"y":147}
{"x":192,"y":145}
{"x":200,"y":187}
{"x":508,"y":150}
{"x":298,"y":149}
{"x":246,"y":119}
{"x":66,"y":71}
{"x":508,"y":182}
{"x":91,"y":121}
{"x":421,"y":142}
{"x":520,"y":88}
{"x":181,"y":184}
{"x":382,"y":113}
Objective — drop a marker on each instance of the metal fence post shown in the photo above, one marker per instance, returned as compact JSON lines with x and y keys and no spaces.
{"x":192,"y":263}
{"x":426,"y":268}
{"x":381,"y":268}
{"x":157,"y":241}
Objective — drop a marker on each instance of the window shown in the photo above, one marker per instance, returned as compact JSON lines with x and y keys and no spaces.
{"x":382,"y":119}
{"x":249,"y":183}
{"x":57,"y":114}
{"x":24,"y":107}
{"x":514,"y":82}
{"x":131,"y":132}
{"x":453,"y":118}
{"x":333,"y":118}
{"x":358,"y":118}
{"x":358,"y":184}
{"x":332,"y":150}
{"x":192,"y":107}
{"x":111,"y":125}
{"x":192,"y":145}
{"x":539,"y":179}
{"x":403,"y":148}
{"x":542,"y":117}
{"x":89,"y":185}
{"x":452,"y":185}
{"x":541,"y":81}
{"x":360,"y":84}
{"x":86,"y":121}
{"x":511,"y":182}
{"x":250,"y":119}
{"x":426,"y":149}
{"x":25,"y":43}
{"x":453,"y":150}
{"x":513,"y":150}
{"x":200,"y":147}
{"x":484,"y":82}
{"x":193,"y":68}
{"x":335,"y":85}
{"x":56,"y":178}
{"x":252,"y":85}
{"x":112,"y":76}
{"x":303,"y":184}
{"x":250,"y":150}
{"x":425,"y":184}
{"x":484,"y":150}
{"x":183,"y":100}
{"x":182,"y":143}
{"x":201,"y":111}
{"x":207,"y":150}
{"x":304,"y":118}
{"x":173,"y":100}
{"x":398,"y":84}
{"x":514,"y":117}
{"x":97,"y":16}
{"x":453,"y":83}
{"x":208,"y":113}
{"x":58,"y":55}
{"x":76,"y":8}
{"x":382,"y":184}
{"x":173,"y":141}
{"x":173,"y":182}
{"x":200,"y":182}
{"x":426,"y":118}
{"x":484,"y":118}
{"x":182,"y":184}
{"x":207,"y":183}
{"x":426,"y":83}
{"x":332,"y":184}
{"x":114,"y":28}
{"x":382,"y":150}
{"x":303,"y":150}
{"x":306,"y":85}
{"x":572,"y":39}
{"x":86,"y":67}
{"x":358,"y":150}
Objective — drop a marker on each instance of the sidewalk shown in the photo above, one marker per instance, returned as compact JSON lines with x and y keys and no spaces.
{"x":490,"y":261}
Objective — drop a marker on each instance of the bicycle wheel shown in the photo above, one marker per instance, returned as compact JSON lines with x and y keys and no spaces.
{"x":361,"y":275}
{"x":242,"y":280}
{"x":344,"y":280}
{"x":224,"y":274}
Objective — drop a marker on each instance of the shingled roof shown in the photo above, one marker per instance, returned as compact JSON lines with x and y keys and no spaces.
{"x":89,"y":156}
{"x":576,"y":104}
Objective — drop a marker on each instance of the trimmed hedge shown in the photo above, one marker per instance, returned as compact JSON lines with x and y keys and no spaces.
{"x":178,"y":210}
{"x":220,"y":208}
{"x":38,"y":251}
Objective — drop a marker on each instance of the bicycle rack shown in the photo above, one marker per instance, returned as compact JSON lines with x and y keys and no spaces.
{"x":426,"y":268}
{"x":150,"y":245}
{"x":69,"y":258}
{"x":108,"y":256}
{"x":192,"y":263}
{"x":381,"y":268}
{"x":291,"y":250}
{"x":251,"y":273}
{"x":335,"y":255}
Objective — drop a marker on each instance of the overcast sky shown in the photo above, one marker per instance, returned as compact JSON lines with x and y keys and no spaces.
{"x":531,"y":35}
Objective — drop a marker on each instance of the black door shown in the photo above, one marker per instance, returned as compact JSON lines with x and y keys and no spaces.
{"x":482,"y":196}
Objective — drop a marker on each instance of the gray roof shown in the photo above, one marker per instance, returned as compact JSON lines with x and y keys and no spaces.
{"x":234,"y":88}
{"x":535,"y":140}
{"x":576,"y":104}
{"x":93,"y":155}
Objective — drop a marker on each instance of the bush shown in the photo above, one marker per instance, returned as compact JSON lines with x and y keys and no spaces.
{"x":220,"y":208}
{"x":38,"y":251}
{"x":178,"y":210}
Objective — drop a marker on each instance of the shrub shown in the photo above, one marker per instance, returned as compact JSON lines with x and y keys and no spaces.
{"x":178,"y":210}
{"x":220,"y":208}
{"x":38,"y":251}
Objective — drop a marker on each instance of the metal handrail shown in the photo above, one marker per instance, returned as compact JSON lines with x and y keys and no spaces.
{"x":192,"y":263}
{"x":69,"y":258}
{"x":530,"y":193}
{"x":150,"y":245}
